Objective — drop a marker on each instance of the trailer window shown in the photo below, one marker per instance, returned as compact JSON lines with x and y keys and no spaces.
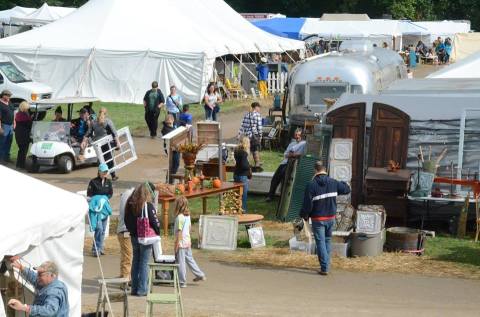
{"x":318,"y":93}
{"x":299,"y":95}
{"x":356,"y":89}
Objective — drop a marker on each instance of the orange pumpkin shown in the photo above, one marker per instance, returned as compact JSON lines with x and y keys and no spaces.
{"x":196,"y":180}
{"x":217,"y":183}
{"x":181,"y":188}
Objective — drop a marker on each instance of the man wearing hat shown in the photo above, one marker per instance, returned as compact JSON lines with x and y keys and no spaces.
{"x":262,"y":70}
{"x":79,"y":128}
{"x":6,"y":125}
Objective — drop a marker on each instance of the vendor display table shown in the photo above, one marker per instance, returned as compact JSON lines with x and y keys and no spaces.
{"x":198,"y":193}
{"x":249,"y":220}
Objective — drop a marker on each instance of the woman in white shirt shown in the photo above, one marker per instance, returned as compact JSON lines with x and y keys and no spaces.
{"x":212,"y":100}
{"x":174,"y":102}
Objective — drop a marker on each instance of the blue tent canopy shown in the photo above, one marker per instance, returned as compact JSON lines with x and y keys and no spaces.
{"x":285,"y":27}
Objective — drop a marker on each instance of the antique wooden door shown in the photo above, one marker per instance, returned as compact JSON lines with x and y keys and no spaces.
{"x":349,"y":122}
{"x":389,"y":136}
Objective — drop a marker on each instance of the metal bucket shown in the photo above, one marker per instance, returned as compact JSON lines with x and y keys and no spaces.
{"x":366,"y":244}
{"x":404,"y":239}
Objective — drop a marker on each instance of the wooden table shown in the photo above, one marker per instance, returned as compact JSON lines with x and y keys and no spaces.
{"x":198,"y":193}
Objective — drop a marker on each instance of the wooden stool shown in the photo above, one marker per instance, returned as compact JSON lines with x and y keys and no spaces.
{"x":164,"y":298}
{"x":120,"y":294}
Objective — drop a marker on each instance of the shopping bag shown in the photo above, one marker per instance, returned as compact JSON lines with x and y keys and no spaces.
{"x":145,"y":234}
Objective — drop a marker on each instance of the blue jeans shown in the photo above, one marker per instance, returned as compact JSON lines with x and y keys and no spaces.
{"x":210,"y":114}
{"x":322,"y":230}
{"x":141,"y":256}
{"x":6,"y":142}
{"x":244,"y":180}
{"x":99,"y":235}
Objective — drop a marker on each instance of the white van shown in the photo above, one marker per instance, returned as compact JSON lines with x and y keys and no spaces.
{"x":23,"y":88}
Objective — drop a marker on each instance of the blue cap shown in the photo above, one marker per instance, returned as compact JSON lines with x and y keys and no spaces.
{"x":103,"y":168}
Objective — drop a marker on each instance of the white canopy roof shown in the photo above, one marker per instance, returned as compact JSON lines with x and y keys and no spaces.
{"x":468,"y":67}
{"x":44,"y":14}
{"x":17,"y":11}
{"x":42,"y":222}
{"x":444,"y":28}
{"x":114,"y":49}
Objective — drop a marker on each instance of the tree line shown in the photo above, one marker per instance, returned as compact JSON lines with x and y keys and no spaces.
{"x":399,"y":9}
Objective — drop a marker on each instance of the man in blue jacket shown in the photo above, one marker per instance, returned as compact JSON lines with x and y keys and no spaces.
{"x":51,"y":295}
{"x":320,"y":205}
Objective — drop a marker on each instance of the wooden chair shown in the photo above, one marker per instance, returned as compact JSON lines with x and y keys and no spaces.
{"x":272,"y":138}
{"x":235,"y":90}
{"x":174,"y":298}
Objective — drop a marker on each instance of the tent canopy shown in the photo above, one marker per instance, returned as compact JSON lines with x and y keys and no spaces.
{"x":468,"y":67}
{"x":344,"y":17}
{"x":17,"y":11}
{"x":44,"y":14}
{"x":94,"y":52}
{"x":464,"y":45}
{"x":49,"y":225}
{"x":444,"y":28}
{"x":286,"y":27}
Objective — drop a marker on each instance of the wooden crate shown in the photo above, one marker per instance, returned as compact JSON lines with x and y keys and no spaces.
{"x":208,"y":132}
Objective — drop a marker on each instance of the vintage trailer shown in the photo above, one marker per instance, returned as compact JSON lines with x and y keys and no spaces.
{"x":357,"y":69}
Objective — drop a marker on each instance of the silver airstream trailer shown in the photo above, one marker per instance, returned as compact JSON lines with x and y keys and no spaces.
{"x":359,"y":68}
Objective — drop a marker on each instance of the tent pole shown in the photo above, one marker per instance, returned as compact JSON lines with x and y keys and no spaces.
{"x":84,"y":75}
{"x":226,"y":65}
{"x":285,"y":51}
{"x":241,"y":64}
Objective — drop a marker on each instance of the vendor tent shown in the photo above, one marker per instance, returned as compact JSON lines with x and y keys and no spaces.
{"x":17,"y":11}
{"x":444,"y":29}
{"x":41,"y":222}
{"x":114,"y":49}
{"x":43,"y":15}
{"x":464,"y":45}
{"x":287,"y":27}
{"x":466,"y":68}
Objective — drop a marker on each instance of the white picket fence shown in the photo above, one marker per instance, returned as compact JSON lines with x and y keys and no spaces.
{"x":276,"y":82}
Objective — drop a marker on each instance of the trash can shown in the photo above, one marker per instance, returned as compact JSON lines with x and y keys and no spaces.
{"x":367,"y":244}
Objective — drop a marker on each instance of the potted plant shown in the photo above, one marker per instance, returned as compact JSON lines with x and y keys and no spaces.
{"x":189,"y":152}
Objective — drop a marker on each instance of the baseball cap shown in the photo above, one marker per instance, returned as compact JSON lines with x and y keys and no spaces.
{"x":263,"y":59}
{"x":103,"y":168}
{"x":83,"y":110}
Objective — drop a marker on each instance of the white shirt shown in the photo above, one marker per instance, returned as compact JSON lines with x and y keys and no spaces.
{"x":295,"y":147}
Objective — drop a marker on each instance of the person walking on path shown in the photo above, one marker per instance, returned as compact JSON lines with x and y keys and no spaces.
{"x":262,"y":70}
{"x":99,"y":192}
{"x":23,"y":126}
{"x":242,"y":171}
{"x":123,"y":236}
{"x":153,"y":102}
{"x":183,"y":243}
{"x":212,"y":101}
{"x":252,"y":128}
{"x":320,"y":205}
{"x":7,"y":125}
{"x":174,"y":103}
{"x":295,"y":149}
{"x":141,"y":201}
{"x":51,"y":294}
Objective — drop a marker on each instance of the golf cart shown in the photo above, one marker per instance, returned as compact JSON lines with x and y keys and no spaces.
{"x":52,"y":143}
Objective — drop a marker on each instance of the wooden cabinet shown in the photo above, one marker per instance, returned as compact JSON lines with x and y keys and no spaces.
{"x":390,"y":190}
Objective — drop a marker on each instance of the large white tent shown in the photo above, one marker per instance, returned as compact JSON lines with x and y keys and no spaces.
{"x":17,"y":11}
{"x":43,"y":15}
{"x":444,"y":28}
{"x":114,"y":49}
{"x":42,"y":222}
{"x":468,"y":67}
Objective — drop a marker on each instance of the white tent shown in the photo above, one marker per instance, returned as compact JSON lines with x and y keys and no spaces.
{"x":43,"y":15}
{"x":17,"y":11}
{"x":114,"y":49}
{"x":444,"y":28}
{"x":42,"y":222}
{"x":468,"y":67}
{"x":464,"y":45}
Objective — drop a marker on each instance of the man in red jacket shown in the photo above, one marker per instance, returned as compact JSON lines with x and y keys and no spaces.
{"x":320,"y":205}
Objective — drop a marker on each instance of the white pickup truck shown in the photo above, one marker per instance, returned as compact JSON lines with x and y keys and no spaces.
{"x":24,"y":89}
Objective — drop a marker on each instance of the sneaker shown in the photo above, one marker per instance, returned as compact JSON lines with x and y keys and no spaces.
{"x":183,"y":285}
{"x":268,"y":199}
{"x":115,"y":178}
{"x":323,"y":273}
{"x":199,"y":278}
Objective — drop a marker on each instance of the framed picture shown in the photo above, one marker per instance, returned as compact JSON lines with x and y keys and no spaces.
{"x":256,"y":237}
{"x":218,"y":232}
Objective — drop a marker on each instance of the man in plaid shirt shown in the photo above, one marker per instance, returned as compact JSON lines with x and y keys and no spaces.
{"x":252,"y":128}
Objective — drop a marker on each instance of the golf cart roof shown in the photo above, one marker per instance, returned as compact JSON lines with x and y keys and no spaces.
{"x":67,"y":100}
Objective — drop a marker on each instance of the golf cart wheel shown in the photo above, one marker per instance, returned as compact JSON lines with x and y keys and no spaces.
{"x":65,"y":164}
{"x":32,"y":165}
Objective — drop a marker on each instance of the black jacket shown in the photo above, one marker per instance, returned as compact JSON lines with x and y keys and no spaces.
{"x":320,"y":198}
{"x":22,"y":129}
{"x":160,"y":99}
{"x":95,"y":187}
{"x":131,"y":219}
{"x":242,"y":166}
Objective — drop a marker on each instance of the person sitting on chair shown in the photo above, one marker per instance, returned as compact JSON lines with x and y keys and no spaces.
{"x":79,"y":128}
{"x":295,"y":149}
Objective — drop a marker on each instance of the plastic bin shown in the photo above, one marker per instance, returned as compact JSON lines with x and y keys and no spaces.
{"x":304,"y":246}
{"x":367,"y":244}
{"x":340,"y":249}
